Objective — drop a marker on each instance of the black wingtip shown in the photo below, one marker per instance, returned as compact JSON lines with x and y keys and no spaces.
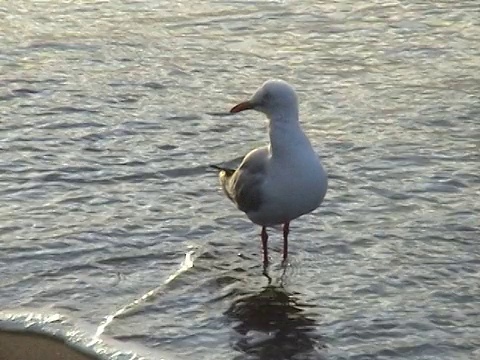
{"x":228,"y":171}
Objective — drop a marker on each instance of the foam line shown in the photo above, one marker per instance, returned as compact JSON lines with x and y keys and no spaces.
{"x":186,"y":264}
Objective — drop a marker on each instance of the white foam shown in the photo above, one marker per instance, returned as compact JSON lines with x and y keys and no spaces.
{"x":60,"y":327}
{"x":56,"y":325}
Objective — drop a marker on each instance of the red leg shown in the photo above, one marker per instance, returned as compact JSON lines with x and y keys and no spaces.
{"x":264,"y":245}
{"x":286,"y":230}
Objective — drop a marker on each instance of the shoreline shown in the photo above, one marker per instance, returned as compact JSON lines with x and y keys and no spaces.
{"x":27,"y":345}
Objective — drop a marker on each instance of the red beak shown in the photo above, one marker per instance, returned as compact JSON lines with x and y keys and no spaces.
{"x":246,"y":105}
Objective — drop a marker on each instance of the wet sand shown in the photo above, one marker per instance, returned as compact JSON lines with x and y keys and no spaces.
{"x":31,"y":346}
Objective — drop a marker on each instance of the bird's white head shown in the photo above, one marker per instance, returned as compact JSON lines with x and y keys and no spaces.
{"x":275,"y":98}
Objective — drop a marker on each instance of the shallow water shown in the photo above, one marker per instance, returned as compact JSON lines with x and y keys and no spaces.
{"x":112,"y":111}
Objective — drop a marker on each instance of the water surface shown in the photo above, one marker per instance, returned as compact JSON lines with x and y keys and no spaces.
{"x":112,"y":111}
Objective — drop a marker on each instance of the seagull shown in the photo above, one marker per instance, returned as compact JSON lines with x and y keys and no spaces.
{"x":284,"y":180}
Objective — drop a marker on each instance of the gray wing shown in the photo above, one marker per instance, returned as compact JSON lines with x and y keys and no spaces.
{"x":244,"y":186}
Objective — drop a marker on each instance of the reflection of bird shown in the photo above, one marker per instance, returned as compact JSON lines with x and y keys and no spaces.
{"x":285,"y":332}
{"x":278,"y":183}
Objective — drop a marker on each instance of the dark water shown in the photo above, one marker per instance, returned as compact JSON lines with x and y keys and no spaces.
{"x":112,"y":111}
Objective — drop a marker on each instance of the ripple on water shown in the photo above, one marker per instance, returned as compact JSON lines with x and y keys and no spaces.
{"x":112,"y":112}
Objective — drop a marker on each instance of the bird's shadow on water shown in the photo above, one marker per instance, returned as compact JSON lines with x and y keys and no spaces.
{"x":272,"y":325}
